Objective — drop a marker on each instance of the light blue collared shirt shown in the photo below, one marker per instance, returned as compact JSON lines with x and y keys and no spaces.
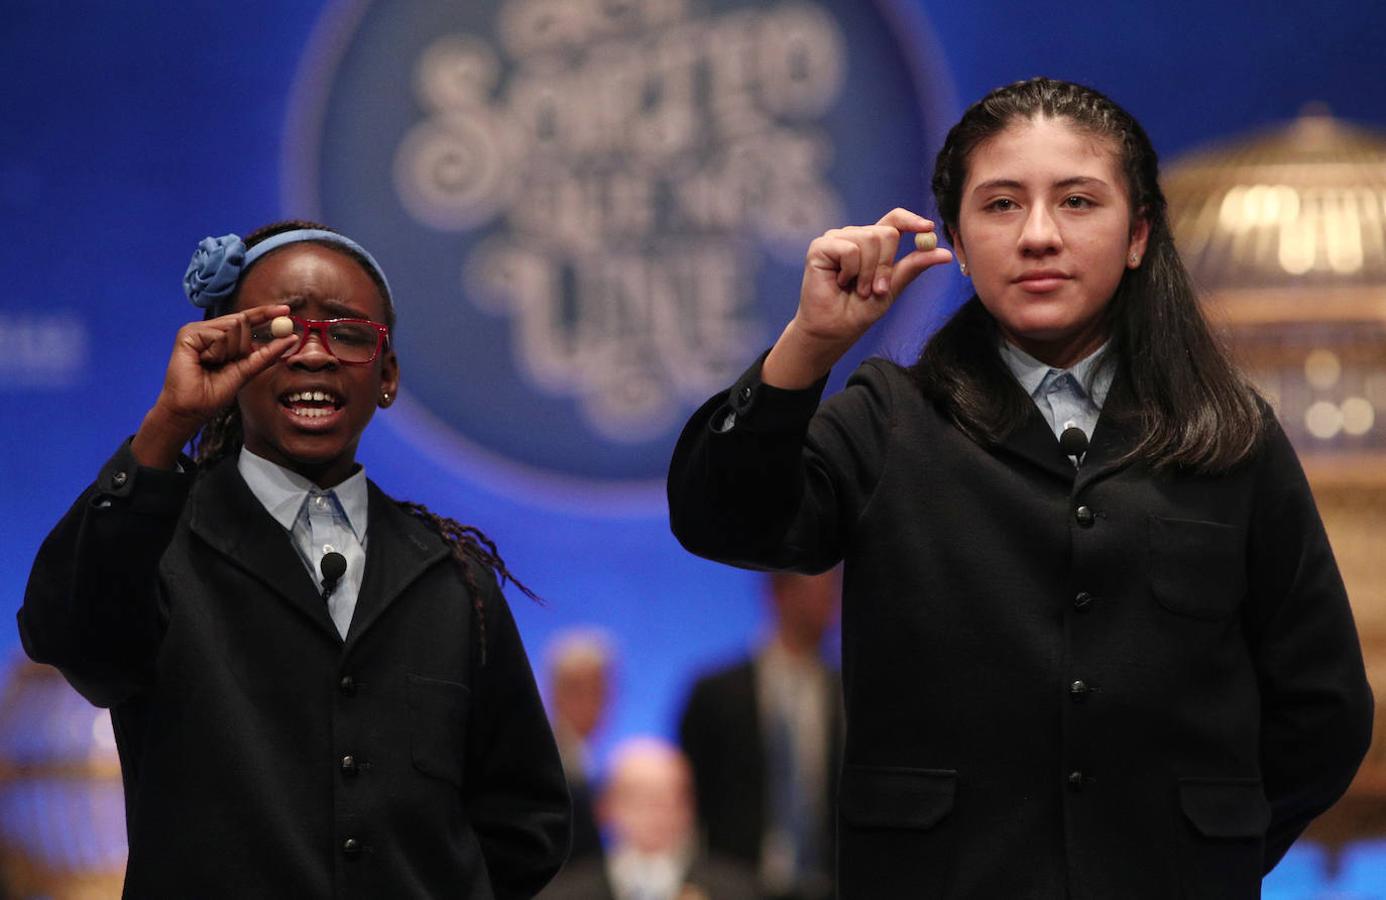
{"x":318,"y":522}
{"x":1067,"y":398}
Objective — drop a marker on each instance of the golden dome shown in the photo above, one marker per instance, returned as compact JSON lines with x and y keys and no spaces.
{"x":1301,"y":206}
{"x":1284,"y":233}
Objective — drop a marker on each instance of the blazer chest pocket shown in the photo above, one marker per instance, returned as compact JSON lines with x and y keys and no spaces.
{"x":891,"y":797}
{"x":1197,"y":569}
{"x":437,"y":726}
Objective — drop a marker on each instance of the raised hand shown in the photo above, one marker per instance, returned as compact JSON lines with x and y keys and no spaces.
{"x":210,"y":363}
{"x":851,"y":278}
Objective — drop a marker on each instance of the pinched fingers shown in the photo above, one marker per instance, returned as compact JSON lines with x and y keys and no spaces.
{"x":207,"y":343}
{"x":909,"y":267}
{"x":836,"y":254}
{"x":887,"y":241}
{"x":861,"y":254}
{"x":902,"y":219}
{"x":228,"y":338}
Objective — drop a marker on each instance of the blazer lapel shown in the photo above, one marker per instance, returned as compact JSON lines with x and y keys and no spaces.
{"x":1117,"y":428}
{"x":399,"y":548}
{"x":1116,"y":431}
{"x":233,"y":522}
{"x":1034,"y":442}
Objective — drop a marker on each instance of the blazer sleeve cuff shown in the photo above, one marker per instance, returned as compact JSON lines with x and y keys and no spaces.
{"x":141,"y":489}
{"x":756,"y":407}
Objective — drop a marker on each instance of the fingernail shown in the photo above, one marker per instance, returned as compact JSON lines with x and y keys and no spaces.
{"x":882,"y":284}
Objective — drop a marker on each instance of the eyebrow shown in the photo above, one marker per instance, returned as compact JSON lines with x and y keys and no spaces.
{"x":1012,"y":184}
{"x":335,"y":306}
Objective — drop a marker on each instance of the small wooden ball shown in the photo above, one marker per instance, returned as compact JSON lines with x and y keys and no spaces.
{"x":282,"y":326}
{"x":925,"y":240}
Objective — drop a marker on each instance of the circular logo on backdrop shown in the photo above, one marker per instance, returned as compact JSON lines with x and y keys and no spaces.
{"x":593,"y":213}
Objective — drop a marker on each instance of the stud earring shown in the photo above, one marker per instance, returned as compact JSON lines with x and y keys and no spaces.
{"x":385,"y":397}
{"x":962,"y":266}
{"x":1135,"y":259}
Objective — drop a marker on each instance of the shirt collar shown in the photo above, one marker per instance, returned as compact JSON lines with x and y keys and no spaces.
{"x":282,"y":491}
{"x":775,"y":657}
{"x":1031,"y":372}
{"x":648,"y":874}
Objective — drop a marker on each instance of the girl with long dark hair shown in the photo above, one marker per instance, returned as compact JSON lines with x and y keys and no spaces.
{"x":1095,"y":644}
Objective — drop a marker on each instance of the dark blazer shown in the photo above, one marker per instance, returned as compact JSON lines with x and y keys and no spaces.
{"x":263,"y":756}
{"x":1108,"y":683}
{"x":720,"y":731}
{"x":707,"y":879}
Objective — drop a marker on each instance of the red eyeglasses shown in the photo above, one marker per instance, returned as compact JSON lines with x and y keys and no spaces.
{"x":352,"y":342}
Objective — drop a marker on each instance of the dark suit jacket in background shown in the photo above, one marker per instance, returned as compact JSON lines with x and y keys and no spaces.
{"x":722,"y":735}
{"x":587,"y":835}
{"x":1091,"y":685}
{"x":182,"y":605}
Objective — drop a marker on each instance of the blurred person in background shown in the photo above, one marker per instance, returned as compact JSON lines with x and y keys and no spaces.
{"x":580,"y":672}
{"x":647,"y":811}
{"x":763,"y":736}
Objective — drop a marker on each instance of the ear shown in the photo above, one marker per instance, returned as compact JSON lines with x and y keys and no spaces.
{"x":1140,"y":238}
{"x":959,"y":253}
{"x":389,"y":379}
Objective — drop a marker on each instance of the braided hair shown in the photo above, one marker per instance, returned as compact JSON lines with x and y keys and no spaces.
{"x":470,"y":546}
{"x":1194,"y":409}
{"x":224,"y":434}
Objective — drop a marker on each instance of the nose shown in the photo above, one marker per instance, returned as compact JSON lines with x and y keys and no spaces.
{"x":1041,"y":236}
{"x":312,"y":352}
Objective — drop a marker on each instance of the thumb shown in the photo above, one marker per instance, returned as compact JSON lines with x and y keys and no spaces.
{"x":914,"y":264}
{"x":261,"y":358}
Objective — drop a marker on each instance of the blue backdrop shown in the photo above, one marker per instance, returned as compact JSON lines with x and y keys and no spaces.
{"x":130,"y":131}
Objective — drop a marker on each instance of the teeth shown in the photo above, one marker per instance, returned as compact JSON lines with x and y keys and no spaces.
{"x":310,"y":412}
{"x":311,"y":397}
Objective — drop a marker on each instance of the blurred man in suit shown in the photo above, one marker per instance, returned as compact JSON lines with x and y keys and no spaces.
{"x":580,"y":664}
{"x":763,"y":737}
{"x":646,"y":808}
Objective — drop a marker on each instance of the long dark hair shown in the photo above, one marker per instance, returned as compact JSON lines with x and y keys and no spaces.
{"x":1195,"y":410}
{"x":223,"y":436}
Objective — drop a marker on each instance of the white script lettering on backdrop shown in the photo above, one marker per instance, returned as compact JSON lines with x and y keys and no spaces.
{"x":628,"y":157}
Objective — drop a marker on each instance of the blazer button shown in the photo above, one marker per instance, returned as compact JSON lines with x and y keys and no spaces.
{"x":744,"y":394}
{"x":347,"y":685}
{"x":1085,"y":516}
{"x":1078,"y":689}
{"x":1075,"y":781}
{"x":119,"y":479}
{"x":351,"y":848}
{"x":1082,"y":601}
{"x":349,"y":765}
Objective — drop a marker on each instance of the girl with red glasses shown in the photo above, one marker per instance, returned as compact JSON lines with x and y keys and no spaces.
{"x":317,"y":690}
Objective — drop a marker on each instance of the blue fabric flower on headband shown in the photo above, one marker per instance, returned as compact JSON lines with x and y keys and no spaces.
{"x":214,"y":270}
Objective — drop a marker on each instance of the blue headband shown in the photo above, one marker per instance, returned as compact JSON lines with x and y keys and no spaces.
{"x":217,"y":264}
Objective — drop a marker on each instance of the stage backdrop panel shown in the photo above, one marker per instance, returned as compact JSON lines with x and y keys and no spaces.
{"x":591,"y":219}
